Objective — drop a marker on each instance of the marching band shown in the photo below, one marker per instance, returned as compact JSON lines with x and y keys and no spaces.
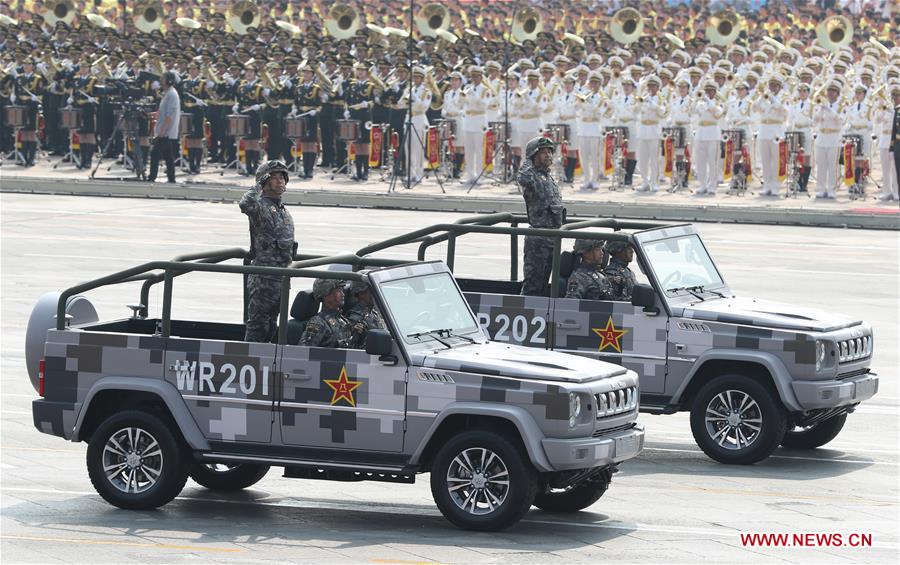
{"x":726,"y":109}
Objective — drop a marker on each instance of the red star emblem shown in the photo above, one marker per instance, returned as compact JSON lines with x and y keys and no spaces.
{"x":610,"y":336}
{"x":343,"y":388}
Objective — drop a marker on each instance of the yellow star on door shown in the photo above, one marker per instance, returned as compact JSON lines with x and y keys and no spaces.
{"x":343,"y":388}
{"x":610,"y":336}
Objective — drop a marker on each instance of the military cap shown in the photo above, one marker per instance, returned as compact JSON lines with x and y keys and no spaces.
{"x":456,"y":74}
{"x":568,"y":78}
{"x":594,"y":58}
{"x":616,"y":60}
{"x":492,"y":65}
{"x":861,"y":88}
{"x":417,"y":70}
{"x":683,"y":82}
{"x":546,"y":66}
{"x":629,"y":81}
{"x":653,"y":79}
{"x":594,"y":76}
{"x":803,"y":86}
{"x":531,"y":73}
{"x":615,"y":246}
{"x":583,"y":246}
{"x":694,"y":71}
{"x":475,"y":70}
{"x":323,"y":287}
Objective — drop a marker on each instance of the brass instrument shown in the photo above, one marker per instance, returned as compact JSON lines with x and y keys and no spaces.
{"x":100,"y":21}
{"x":188,"y":23}
{"x":527,"y":24}
{"x":626,"y":25}
{"x":8,"y":21}
{"x":342,"y":21}
{"x":431,"y":18}
{"x":288,"y":27}
{"x":835,"y":32}
{"x":379,"y":84}
{"x":244,"y":15}
{"x":267,"y":80}
{"x":776,"y":44}
{"x":60,"y":11}
{"x":148,"y":15}
{"x":880,"y":46}
{"x":675,"y":40}
{"x":574,"y":38}
{"x":447,"y":36}
{"x":211,"y":75}
{"x":723,"y":27}
{"x":327,"y":83}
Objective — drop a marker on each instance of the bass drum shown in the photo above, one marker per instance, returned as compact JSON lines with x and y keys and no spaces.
{"x":43,"y":318}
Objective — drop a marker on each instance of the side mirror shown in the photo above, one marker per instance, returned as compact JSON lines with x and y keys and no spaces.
{"x":379,"y":342}
{"x":643,"y":296}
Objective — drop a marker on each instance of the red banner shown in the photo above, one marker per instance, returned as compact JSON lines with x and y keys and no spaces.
{"x":728,"y":160}
{"x":849,"y":177}
{"x":608,"y":150}
{"x":687,"y":160}
{"x":488,"y":151}
{"x":395,"y":141}
{"x":782,"y":160}
{"x":376,"y":140}
{"x":669,"y":156}
{"x":745,"y":159}
{"x":433,"y":148}
{"x":76,"y":141}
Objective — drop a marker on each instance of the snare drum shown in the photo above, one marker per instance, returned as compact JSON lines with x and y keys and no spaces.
{"x":794,"y":140}
{"x":294,"y":128}
{"x":559,"y":133}
{"x":70,"y":118}
{"x":737,"y":136}
{"x":446,"y":129}
{"x":15,"y":116}
{"x":676,"y":133}
{"x":499,"y":130}
{"x":348,"y":130}
{"x":237,"y":125}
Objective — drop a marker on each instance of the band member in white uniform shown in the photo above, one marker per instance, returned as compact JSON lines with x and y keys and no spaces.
{"x":477,"y":100}
{"x":800,"y":118}
{"x":857,"y":120}
{"x":651,"y":110}
{"x":452,"y":110}
{"x":708,"y":114}
{"x":827,"y":120}
{"x":591,"y":109}
{"x":772,"y":112}
{"x":564,"y":112}
{"x":421,"y":100}
{"x":884,"y":117}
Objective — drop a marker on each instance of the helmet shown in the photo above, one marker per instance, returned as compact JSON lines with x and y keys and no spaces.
{"x":536,"y":144}
{"x":266,"y":169}
{"x":584,"y":245}
{"x":323,"y":287}
{"x":615,"y":246}
{"x":358,"y":287}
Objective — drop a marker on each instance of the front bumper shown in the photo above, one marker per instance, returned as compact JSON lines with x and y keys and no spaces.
{"x":813,"y":395}
{"x":584,"y":453}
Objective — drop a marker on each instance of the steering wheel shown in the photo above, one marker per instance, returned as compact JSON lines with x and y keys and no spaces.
{"x":673,"y":277}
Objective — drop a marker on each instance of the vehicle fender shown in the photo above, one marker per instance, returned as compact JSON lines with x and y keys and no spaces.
{"x":529,"y":431}
{"x":780,"y":375}
{"x":166,"y":391}
{"x":43,"y":318}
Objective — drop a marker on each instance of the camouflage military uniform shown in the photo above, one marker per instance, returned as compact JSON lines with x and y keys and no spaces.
{"x":328,"y":328}
{"x":588,"y":281}
{"x":620,"y":278}
{"x":368,"y":316}
{"x":272,"y":245}
{"x":545,"y":210}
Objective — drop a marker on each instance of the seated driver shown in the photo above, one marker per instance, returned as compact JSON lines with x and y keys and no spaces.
{"x":361,"y":310}
{"x":619,"y":275}
{"x":329,"y":328}
{"x":588,"y":280}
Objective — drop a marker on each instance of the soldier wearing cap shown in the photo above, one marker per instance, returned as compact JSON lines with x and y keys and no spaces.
{"x":800,"y":118}
{"x":272,"y":244}
{"x":587,"y":281}
{"x":421,"y":100}
{"x":452,"y":110}
{"x":772,"y":113}
{"x":858,"y":121}
{"x":250,"y":103}
{"x":361,"y":311}
{"x":29,"y":87}
{"x":477,"y":98}
{"x":828,"y":121}
{"x":544,"y":205}
{"x":624,"y":114}
{"x":651,"y":110}
{"x":194,"y":103}
{"x":329,"y":327}
{"x":708,"y":113}
{"x":617,"y":272}
{"x":308,"y":99}
{"x":360,"y":97}
{"x":565,"y":108}
{"x":888,"y":143}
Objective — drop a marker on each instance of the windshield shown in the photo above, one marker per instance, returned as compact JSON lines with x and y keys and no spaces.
{"x":427,"y":303}
{"x":681,"y":262}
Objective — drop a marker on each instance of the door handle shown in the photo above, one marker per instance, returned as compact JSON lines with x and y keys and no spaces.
{"x":298,"y":374}
{"x":680,"y":347}
{"x":568,"y":325}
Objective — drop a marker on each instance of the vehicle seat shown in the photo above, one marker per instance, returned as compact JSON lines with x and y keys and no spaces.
{"x":568,"y":262}
{"x":303,"y":308}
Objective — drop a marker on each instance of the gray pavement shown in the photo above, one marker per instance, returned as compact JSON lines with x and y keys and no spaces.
{"x":671,"y":505}
{"x":327,"y":190}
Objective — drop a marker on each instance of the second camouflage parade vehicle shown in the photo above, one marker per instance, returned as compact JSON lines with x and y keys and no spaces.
{"x":753,"y":374}
{"x":499,"y":427}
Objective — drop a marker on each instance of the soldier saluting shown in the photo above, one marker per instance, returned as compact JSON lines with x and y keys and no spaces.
{"x":544,"y":205}
{"x":271,"y":245}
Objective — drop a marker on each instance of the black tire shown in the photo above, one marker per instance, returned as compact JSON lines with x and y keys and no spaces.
{"x":815,"y":436}
{"x":763,"y":411}
{"x":512,"y":500}
{"x":574,"y":499}
{"x":225,"y":477}
{"x":151,"y":462}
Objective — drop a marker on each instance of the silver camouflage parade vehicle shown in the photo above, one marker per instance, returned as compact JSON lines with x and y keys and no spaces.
{"x":498,"y":426}
{"x":753,"y":374}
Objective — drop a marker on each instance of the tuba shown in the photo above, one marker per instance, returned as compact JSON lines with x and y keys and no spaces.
{"x":431,"y":18}
{"x":626,"y":25}
{"x":342,"y":21}
{"x":834,"y":33}
{"x":527,"y":24}
{"x":723,"y":27}
{"x":148,"y":15}
{"x":60,"y":11}
{"x":244,"y":15}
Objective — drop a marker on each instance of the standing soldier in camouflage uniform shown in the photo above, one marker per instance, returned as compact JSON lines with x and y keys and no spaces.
{"x":588,"y":280}
{"x":545,"y":210}
{"x":362,"y":311}
{"x":271,"y":245}
{"x":620,"y":277}
{"x":329,"y":328}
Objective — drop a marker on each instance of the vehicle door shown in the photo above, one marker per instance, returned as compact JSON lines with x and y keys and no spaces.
{"x":228,"y":386}
{"x":511,"y":318}
{"x":341,"y":398}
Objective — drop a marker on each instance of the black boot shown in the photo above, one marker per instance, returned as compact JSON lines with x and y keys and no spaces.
{"x":457,"y":164}
{"x":570,"y":169}
{"x":365,"y":162}
{"x":28,"y":151}
{"x":252,"y":162}
{"x":87,"y":155}
{"x":630,"y":164}
{"x":804,"y":177}
{"x":516,"y":163}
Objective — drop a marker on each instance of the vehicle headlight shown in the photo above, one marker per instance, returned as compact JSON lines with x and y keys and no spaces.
{"x":820,"y":354}
{"x":574,"y":408}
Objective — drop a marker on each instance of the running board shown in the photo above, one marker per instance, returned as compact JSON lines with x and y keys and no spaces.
{"x":348,"y":475}
{"x":329,"y":470}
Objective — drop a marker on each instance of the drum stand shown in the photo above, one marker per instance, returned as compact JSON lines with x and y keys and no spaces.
{"x":411,"y":129}
{"x":296,"y":156}
{"x":618,"y":176}
{"x":236,"y":162}
{"x":180,"y":161}
{"x":70,"y":156}
{"x":15,"y":154}
{"x":346,"y":168}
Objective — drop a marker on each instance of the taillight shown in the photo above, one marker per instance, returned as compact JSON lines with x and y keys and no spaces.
{"x":41,"y":377}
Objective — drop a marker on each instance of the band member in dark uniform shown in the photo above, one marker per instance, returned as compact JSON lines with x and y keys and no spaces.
{"x":6,"y":90}
{"x":397,"y":114}
{"x":310,"y":96}
{"x":28,"y":90}
{"x":195,"y":100}
{"x":359,"y":97}
{"x":85,"y":99}
{"x":272,"y":114}
{"x":328,"y":114}
{"x":250,"y":103}
{"x":228,"y":93}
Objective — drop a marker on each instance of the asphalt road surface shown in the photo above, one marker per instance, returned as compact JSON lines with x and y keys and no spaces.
{"x":670,"y":505}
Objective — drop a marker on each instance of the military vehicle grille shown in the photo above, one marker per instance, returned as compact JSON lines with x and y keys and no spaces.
{"x":616,"y":402}
{"x":854,"y":349}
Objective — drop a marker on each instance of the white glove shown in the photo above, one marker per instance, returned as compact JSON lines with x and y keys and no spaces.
{"x":69,"y":101}
{"x":266,"y":91}
{"x":346,"y":114}
{"x":234,"y":108}
{"x":203,"y":104}
{"x":34,"y":98}
{"x":255,"y":107}
{"x":229,"y":81}
{"x":210,"y":84}
{"x":313,"y":112}
{"x":12,"y":98}
{"x":154,"y":85}
{"x":93,"y":100}
{"x":13,"y":72}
